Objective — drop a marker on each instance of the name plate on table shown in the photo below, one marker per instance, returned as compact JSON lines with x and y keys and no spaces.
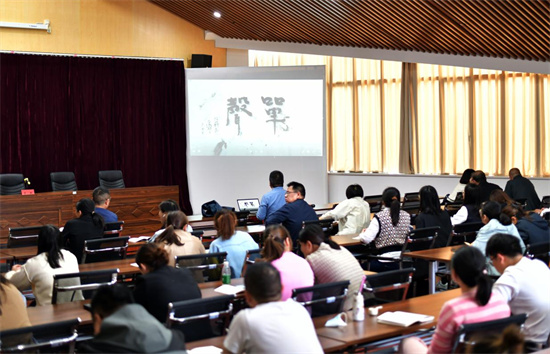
{"x":27,"y":191}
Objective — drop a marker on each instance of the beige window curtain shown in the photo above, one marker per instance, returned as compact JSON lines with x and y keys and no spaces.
{"x":397,"y":117}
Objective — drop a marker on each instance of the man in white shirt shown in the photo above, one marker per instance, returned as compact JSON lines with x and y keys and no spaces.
{"x":270,"y":325}
{"x":353,"y":214}
{"x":525,"y":283}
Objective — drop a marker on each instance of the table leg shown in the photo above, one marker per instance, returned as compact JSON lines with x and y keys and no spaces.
{"x":432,"y":270}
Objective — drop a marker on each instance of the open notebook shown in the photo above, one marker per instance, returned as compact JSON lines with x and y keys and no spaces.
{"x":403,"y":319}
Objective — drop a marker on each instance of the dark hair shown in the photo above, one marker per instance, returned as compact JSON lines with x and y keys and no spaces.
{"x":175,"y":220}
{"x":469,"y":264}
{"x":276,"y":179}
{"x":499,"y":196}
{"x":49,"y":241}
{"x":491,"y":210}
{"x":152,"y":255}
{"x":298,"y":187}
{"x":274,"y":242}
{"x":168,"y":205}
{"x":505,"y":244}
{"x":87,"y":207}
{"x":263,"y":282}
{"x":511,"y":340}
{"x":479,"y":176}
{"x":109,"y":298}
{"x":429,"y":200}
{"x":515,"y":210}
{"x":315,"y":234}
{"x":472,"y":195}
{"x":465,"y":179}
{"x":100,"y":195}
{"x":354,"y":190}
{"x":225,"y":221}
{"x":392,"y":199}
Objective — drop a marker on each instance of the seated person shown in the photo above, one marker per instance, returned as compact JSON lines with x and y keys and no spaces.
{"x":88,"y":225}
{"x":525,"y":284}
{"x":274,"y":199}
{"x":431,"y":215}
{"x":120,"y":326}
{"x":176,"y":241}
{"x":294,"y":212}
{"x":479,"y":178}
{"x":232,"y":241}
{"x":499,"y":196}
{"x":464,"y":179}
{"x":295,"y":271}
{"x":161,"y":284}
{"x":330,"y":262}
{"x":531,"y":226}
{"x":519,"y":187}
{"x":476,"y":303}
{"x":37,"y":273}
{"x":165,"y":207}
{"x":495,"y":222}
{"x":353,"y":214}
{"x":270,"y":325}
{"x":102,"y":199}
{"x":13,"y":308}
{"x":469,"y":211}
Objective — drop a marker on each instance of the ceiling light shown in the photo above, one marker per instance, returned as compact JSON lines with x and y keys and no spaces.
{"x":217,"y":14}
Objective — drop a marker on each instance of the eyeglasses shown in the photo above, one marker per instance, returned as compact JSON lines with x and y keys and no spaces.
{"x":289,"y":192}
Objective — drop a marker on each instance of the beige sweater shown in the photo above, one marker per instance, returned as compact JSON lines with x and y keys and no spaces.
{"x":191,"y":245}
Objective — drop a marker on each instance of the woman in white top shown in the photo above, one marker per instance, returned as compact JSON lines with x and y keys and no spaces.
{"x":38,"y":271}
{"x":353,"y":214}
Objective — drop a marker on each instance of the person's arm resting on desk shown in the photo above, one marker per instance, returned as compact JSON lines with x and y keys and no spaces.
{"x":262,"y":210}
{"x":369,"y":234}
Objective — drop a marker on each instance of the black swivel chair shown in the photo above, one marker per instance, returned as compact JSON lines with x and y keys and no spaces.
{"x":72,"y":283}
{"x":111,"y":179}
{"x":388,"y":286}
{"x":23,"y":236}
{"x":375,"y":202}
{"x":328,"y":225}
{"x":250,"y":258}
{"x":411,"y":203}
{"x":105,"y":249}
{"x":322,"y":299}
{"x":63,"y":181}
{"x":205,"y":267}
{"x":465,"y":232}
{"x":11,"y":183}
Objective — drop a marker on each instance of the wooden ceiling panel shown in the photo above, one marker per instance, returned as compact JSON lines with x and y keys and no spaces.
{"x":516,"y":29}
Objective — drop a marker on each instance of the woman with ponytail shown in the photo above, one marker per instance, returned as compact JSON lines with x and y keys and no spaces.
{"x":476,"y":303}
{"x":88,"y":225}
{"x":329,"y":261}
{"x":295,"y":271}
{"x":161,"y":284}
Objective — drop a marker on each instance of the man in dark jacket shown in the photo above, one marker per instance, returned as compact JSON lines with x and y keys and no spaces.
{"x":479,"y":178}
{"x":519,"y":187}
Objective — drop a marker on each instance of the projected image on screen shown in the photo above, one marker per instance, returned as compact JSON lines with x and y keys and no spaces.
{"x":255,"y":117}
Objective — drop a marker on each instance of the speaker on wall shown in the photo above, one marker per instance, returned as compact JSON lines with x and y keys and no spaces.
{"x":201,"y":61}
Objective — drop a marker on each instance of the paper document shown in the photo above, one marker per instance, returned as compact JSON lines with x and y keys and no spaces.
{"x":403,"y":319}
{"x":137,"y":239}
{"x":205,"y":350}
{"x":227,"y":289}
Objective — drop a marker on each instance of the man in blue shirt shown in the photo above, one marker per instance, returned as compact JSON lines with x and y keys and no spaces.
{"x":274,"y":199}
{"x":102,"y":199}
{"x":294,"y":212}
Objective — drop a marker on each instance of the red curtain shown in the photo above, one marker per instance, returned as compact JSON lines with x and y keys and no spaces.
{"x":84,"y":115}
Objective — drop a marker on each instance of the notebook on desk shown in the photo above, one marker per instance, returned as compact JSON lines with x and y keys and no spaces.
{"x":251,"y":204}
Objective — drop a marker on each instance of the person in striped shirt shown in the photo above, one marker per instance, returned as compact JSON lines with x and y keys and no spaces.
{"x":477,"y":303}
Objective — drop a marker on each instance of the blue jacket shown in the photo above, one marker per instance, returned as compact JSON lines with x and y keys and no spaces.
{"x":291,"y":215}
{"x":534,"y":230}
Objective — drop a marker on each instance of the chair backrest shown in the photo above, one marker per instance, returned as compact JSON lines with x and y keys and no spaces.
{"x":420,"y":239}
{"x":411,"y":202}
{"x":113,"y":228}
{"x":324,"y":299}
{"x":375,"y":202}
{"x":58,"y":337}
{"x":467,"y":331}
{"x":23,"y":236}
{"x":11,"y":183}
{"x":328,"y":225}
{"x":201,"y":318}
{"x":465,"y":232}
{"x":105,"y":249}
{"x":540,"y":251}
{"x":242,"y":217}
{"x":250,"y":258}
{"x":71,"y":283}
{"x":198,"y":234}
{"x":111,"y":179}
{"x":63,"y":181}
{"x":205,"y":267}
{"x":545,"y":202}
{"x":388,"y":286}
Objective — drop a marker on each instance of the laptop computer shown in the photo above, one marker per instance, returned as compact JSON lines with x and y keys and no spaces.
{"x":251,"y":204}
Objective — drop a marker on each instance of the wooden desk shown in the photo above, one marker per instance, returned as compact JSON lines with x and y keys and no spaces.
{"x":138,"y":207}
{"x":443,"y":254}
{"x":346,"y":240}
{"x":370,"y":330}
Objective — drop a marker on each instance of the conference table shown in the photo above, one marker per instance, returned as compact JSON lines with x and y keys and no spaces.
{"x":434,"y":255}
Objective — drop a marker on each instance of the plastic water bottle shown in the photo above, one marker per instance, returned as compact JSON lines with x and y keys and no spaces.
{"x":359,"y":308}
{"x":226,"y":273}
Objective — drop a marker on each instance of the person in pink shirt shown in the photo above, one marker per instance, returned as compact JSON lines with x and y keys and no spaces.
{"x":295,"y":271}
{"x":477,"y":303}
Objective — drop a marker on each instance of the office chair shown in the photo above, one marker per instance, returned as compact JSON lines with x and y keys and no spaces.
{"x":23,"y":236}
{"x":205,"y":267}
{"x":328,"y":225}
{"x":322,"y":299}
{"x":388,"y":286}
{"x":545,"y":202}
{"x":242,"y":217}
{"x":57,"y":337}
{"x":540,"y":250}
{"x":250,"y":258}
{"x":105,"y":249}
{"x":375,"y":202}
{"x":411,"y":203}
{"x":465,"y":232}
{"x":72,"y":284}
{"x":63,"y":181}
{"x":111,"y":179}
{"x":113,"y":229}
{"x":201,"y":318}
{"x":11,"y":183}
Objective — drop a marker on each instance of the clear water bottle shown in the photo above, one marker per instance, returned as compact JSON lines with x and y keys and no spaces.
{"x":226,"y":273}
{"x":359,"y":308}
